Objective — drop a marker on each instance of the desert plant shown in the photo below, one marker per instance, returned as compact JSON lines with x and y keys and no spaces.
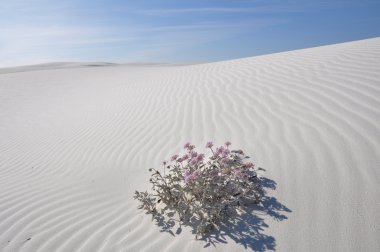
{"x":201,"y":190}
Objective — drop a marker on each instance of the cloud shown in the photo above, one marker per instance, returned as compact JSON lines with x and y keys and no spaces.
{"x":37,"y":43}
{"x":267,"y":8}
{"x":290,"y":6}
{"x":29,"y":43}
{"x":196,"y":10}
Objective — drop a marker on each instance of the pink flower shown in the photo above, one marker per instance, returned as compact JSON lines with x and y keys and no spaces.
{"x":179,"y":160}
{"x":193,"y":154}
{"x":238,"y":173}
{"x":189,"y":146}
{"x":187,"y":176}
{"x":228,"y":143}
{"x":200,"y":157}
{"x":219,"y":150}
{"x":185,"y":157}
{"x":209,"y":144}
{"x":226,"y":152}
{"x":174,"y":157}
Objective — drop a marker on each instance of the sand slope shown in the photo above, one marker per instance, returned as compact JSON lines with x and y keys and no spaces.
{"x":76,"y":142}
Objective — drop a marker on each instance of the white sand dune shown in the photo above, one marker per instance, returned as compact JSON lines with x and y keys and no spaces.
{"x":75,"y":143}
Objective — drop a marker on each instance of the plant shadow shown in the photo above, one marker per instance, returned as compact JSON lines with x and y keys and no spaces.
{"x":245,"y":228}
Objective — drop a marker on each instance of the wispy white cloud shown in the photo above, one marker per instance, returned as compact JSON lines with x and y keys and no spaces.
{"x":36,"y":43}
{"x":196,"y":10}
{"x":28,"y":44}
{"x":258,"y":7}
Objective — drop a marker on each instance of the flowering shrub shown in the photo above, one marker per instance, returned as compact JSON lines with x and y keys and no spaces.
{"x":202,"y":190}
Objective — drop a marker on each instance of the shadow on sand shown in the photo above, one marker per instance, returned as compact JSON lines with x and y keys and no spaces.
{"x":246,"y":228}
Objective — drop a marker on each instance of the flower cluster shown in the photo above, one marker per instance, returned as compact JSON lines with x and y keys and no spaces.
{"x":202,"y":190}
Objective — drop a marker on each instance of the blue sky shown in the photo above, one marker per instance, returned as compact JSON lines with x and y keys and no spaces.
{"x":38,"y":31}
